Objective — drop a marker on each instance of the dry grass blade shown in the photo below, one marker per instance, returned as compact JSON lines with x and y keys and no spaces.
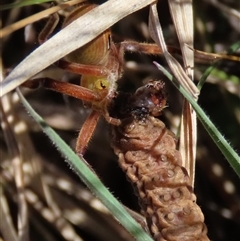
{"x":182,"y":15}
{"x":157,"y":34}
{"x":35,"y":17}
{"x":186,"y":82}
{"x":17,"y":140}
{"x":81,"y":203}
{"x":88,"y":27}
{"x":7,"y":226}
{"x":188,"y":139}
{"x":226,"y":9}
{"x":52,"y":216}
{"x":233,"y":15}
{"x":17,"y":164}
{"x":38,"y":196}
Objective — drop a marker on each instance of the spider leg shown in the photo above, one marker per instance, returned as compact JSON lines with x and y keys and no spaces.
{"x":86,"y":132}
{"x":146,"y":48}
{"x":48,"y":28}
{"x":73,"y":90}
{"x":83,"y":69}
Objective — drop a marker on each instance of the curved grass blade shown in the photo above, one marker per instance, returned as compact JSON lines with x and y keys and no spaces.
{"x":89,"y":177}
{"x":232,"y":157}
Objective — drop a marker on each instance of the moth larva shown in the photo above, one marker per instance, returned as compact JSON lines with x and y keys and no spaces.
{"x":147,"y":154}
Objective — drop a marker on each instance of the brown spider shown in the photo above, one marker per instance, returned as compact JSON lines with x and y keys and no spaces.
{"x":100,"y":63}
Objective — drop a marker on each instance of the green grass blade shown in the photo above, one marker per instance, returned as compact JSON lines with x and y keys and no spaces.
{"x":223,"y":76}
{"x":232,"y":157}
{"x":22,"y":3}
{"x":208,"y":71}
{"x":89,"y":178}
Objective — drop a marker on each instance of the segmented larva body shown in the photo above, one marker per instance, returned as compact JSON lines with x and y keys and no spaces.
{"x":147,"y":153}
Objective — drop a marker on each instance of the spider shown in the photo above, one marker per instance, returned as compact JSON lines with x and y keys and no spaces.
{"x":100,"y":64}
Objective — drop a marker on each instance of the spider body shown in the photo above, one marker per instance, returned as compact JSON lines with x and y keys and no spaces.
{"x":99,"y":53}
{"x":100,"y":64}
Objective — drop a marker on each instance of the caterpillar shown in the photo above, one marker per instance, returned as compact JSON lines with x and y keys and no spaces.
{"x":147,"y":153}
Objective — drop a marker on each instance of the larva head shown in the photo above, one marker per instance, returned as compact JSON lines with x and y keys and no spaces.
{"x":150,"y":98}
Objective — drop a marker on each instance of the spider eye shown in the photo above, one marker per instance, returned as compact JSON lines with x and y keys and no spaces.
{"x":101,"y":84}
